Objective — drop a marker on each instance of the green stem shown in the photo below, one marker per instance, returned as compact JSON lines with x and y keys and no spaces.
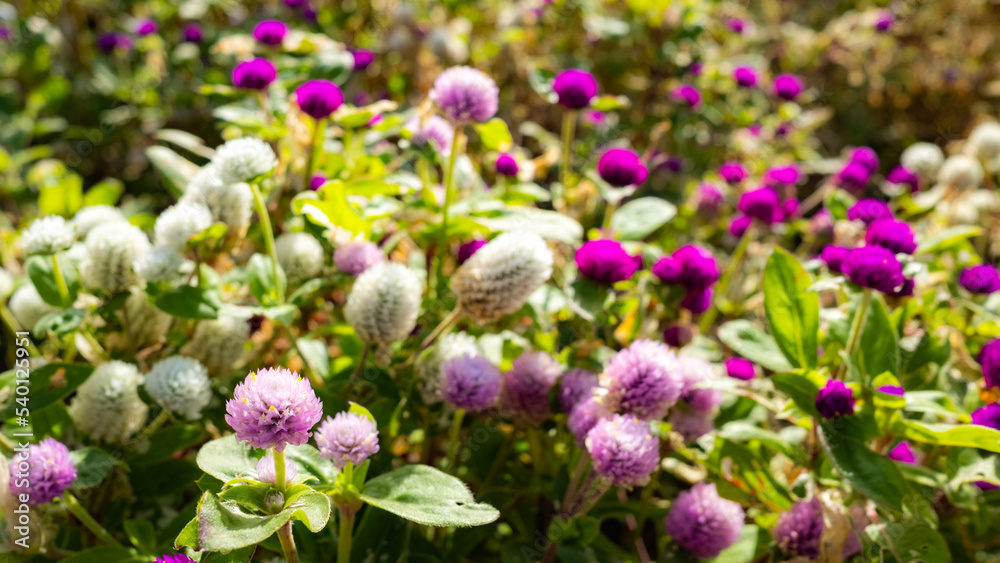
{"x":316,"y":146}
{"x":87,"y":520}
{"x":358,"y":369}
{"x":722,"y":290}
{"x":574,"y":482}
{"x":288,"y":542}
{"x":857,"y":327}
{"x":456,"y":427}
{"x":314,"y":377}
{"x":60,"y":281}
{"x":279,"y":471}
{"x":568,"y":130}
{"x":449,"y":179}
{"x":346,"y":529}
{"x":265,"y":224}
{"x":446,"y":323}
{"x":159,"y":421}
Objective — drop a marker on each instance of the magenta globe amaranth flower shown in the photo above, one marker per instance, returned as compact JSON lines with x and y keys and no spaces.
{"x":644,"y":380}
{"x":469,"y":382}
{"x":346,"y":438}
{"x":698,"y":301}
{"x":266,"y":471}
{"x":270,"y":32}
{"x":576,"y":385}
{"x":895,"y":235}
{"x":782,"y":175}
{"x":273,"y":408}
{"x":740,"y":368}
{"x":698,"y":267}
{"x":746,"y":77}
{"x":465,"y":94}
{"x":467,"y":249}
{"x":317,"y":181}
{"x":787,"y":86}
{"x":146,"y":27}
{"x":900,"y":175}
{"x":363,"y":58}
{"x":622,"y":167}
{"x":736,"y":24}
{"x":833,"y":256}
{"x":49,"y":472}
{"x":799,"y":529}
{"x":354,"y":257}
{"x":575,"y":88}
{"x":524,"y":394}
{"x":687,"y":94}
{"x":255,"y":74}
{"x":174,"y":558}
{"x":623,"y":449}
{"x":902,"y":453}
{"x":873,"y":267}
{"x":762,"y":204}
{"x":738,"y":227}
{"x":989,"y":358}
{"x":319,"y":98}
{"x":733,"y":172}
{"x":884,"y":22}
{"x":869,"y":210}
{"x":988,"y":415}
{"x":605,"y":261}
{"x":668,"y":269}
{"x":678,"y":336}
{"x":854,"y":176}
{"x":982,"y":279}
{"x":702,"y":522}
{"x":192,"y":33}
{"x":110,"y":42}
{"x":892,"y":390}
{"x":835,"y":399}
{"x":867,"y":157}
{"x":506,"y":165}
{"x":708,"y":200}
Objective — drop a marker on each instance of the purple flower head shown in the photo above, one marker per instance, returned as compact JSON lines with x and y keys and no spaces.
{"x":624,"y":450}
{"x":854,"y":176}
{"x":270,"y":32}
{"x":869,"y":210}
{"x":354,"y":257}
{"x":895,"y":235}
{"x":799,"y":529}
{"x":174,"y":558}
{"x":346,"y":438}
{"x":576,"y":385}
{"x":678,"y":336}
{"x":50,"y":472}
{"x":835,"y":399}
{"x":605,"y":261}
{"x":524,"y":394}
{"x":295,"y":4}
{"x":465,"y":94}
{"x":266,"y":473}
{"x":884,"y":22}
{"x":363,"y":58}
{"x":575,"y":88}
{"x":867,"y":157}
{"x":900,"y":175}
{"x":695,"y":372}
{"x":319,"y":98}
{"x":789,"y":209}
{"x":787,"y":86}
{"x":736,"y":24}
{"x":643,"y":380}
{"x":506,"y":165}
{"x":192,"y":33}
{"x":989,"y":358}
{"x":256,"y":74}
{"x":433,"y":128}
{"x":584,"y":416}
{"x":273,"y":408}
{"x":146,"y":27}
{"x":739,"y":368}
{"x":309,"y":14}
{"x":982,"y":279}
{"x":688,"y":94}
{"x":698,"y":270}
{"x":892,"y":390}
{"x":834,"y":256}
{"x":987,"y":416}
{"x":821,"y":223}
{"x":740,"y":225}
{"x":467,"y":249}
{"x":906,"y":290}
{"x":698,"y":301}
{"x":762,"y":204}
{"x":783,"y":129}
{"x":696,"y":68}
{"x":782,"y":175}
{"x":702,"y":522}
{"x":873,"y":267}
{"x":708,"y":199}
{"x":470,"y":382}
{"x":986,"y":486}
{"x":595,"y":118}
{"x":668,"y":269}
{"x":746,"y":77}
{"x":622,"y":167}
{"x":317,"y":181}
{"x":111,"y":42}
{"x":902,"y":453}
{"x":5,"y":33}
{"x":733,"y":172}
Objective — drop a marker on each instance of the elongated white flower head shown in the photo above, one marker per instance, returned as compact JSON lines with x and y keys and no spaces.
{"x":923,"y":159}
{"x":962,"y":172}
{"x":180,"y":222}
{"x":242,"y":160}
{"x":94,"y":216}
{"x":429,"y":365}
{"x":300,"y":256}
{"x":112,"y":249}
{"x":107,"y":406}
{"x":159,"y":264}
{"x":498,"y":279}
{"x":48,"y":235}
{"x":180,"y":385}
{"x":231,"y":204}
{"x":984,"y":141}
{"x":144,"y":323}
{"x":28,"y":307}
{"x":218,"y":343}
{"x":384,"y":303}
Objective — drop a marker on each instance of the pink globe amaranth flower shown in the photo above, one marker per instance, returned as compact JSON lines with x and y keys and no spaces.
{"x":273,"y":408}
{"x":691,"y":424}
{"x":708,"y":200}
{"x":733,"y":172}
{"x":821,"y":223}
{"x":895,"y":235}
{"x":644,"y":380}
{"x":575,"y":88}
{"x":467,"y":249}
{"x":745,"y":77}
{"x":678,"y":336}
{"x":688,"y":94}
{"x":736,"y":24}
{"x":146,"y":27}
{"x":576,"y":385}
{"x":900,"y":175}
{"x":111,"y":42}
{"x":255,"y":74}
{"x":902,"y":453}
{"x":270,"y":32}
{"x":317,"y":181}
{"x":698,"y":301}
{"x":892,"y":390}
{"x":695,"y":373}
{"x":174,"y":558}
{"x":465,"y":94}
{"x":347,"y":438}
{"x":192,"y":33}
{"x":740,"y":368}
{"x":50,"y":472}
{"x":623,"y":449}
{"x":989,"y":358}
{"x":696,"y":68}
{"x":789,"y":209}
{"x":469,"y":382}
{"x":622,"y":167}
{"x":799,"y":529}
{"x":884,"y":22}
{"x":834,"y":256}
{"x":702,"y":522}
{"x":595,"y":118}
{"x":605,"y":261}
{"x":762,"y":204}
{"x":867,"y":157}
{"x":738,"y":227}
{"x":869,"y":210}
{"x":267,"y":474}
{"x":506,"y":165}
{"x":433,"y":128}
{"x":584,"y":416}
{"x":905,"y":290}
{"x":873,"y":267}
{"x":787,"y":86}
{"x":982,"y":279}
{"x":988,"y":415}
{"x":782,"y":175}
{"x":699,"y":270}
{"x":668,"y":269}
{"x":319,"y":98}
{"x":524,"y":394}
{"x":835,"y":399}
{"x":854,"y":176}
{"x":354,"y":257}
{"x":363,"y":58}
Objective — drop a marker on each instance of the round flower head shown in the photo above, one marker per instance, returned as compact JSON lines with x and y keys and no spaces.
{"x":902,"y":453}
{"x":180,"y":222}
{"x":733,"y":172}
{"x":347,"y":438}
{"x":92,"y":216}
{"x":834,"y":256}
{"x":821,"y":224}
{"x":506,"y":165}
{"x":984,"y":141}
{"x":266,"y":472}
{"x":112,"y":250}
{"x":873,"y":267}
{"x":273,"y":408}
{"x":962,"y":172}
{"x":363,"y":58}
{"x":467,"y":249}
{"x":430,"y":364}
{"x":576,"y":385}
{"x":736,"y":24}
{"x":300,"y":255}
{"x":668,"y":269}
{"x":695,"y":372}
{"x":738,"y":227}
{"x":782,"y":175}
{"x":697,"y":301}
{"x":575,"y":88}
{"x":354,"y":257}
{"x":159,"y":264}
{"x":270,"y":32}
{"x":145,"y":324}
{"x":319,"y":98}
{"x":989,"y":358}
{"x":110,"y":42}
{"x":643,"y":380}
{"x":799,"y":529}
{"x":982,"y":279}
{"x":869,"y":210}
{"x":709,"y":199}
{"x":524,"y":394}
{"x":465,"y":94}
{"x":498,"y":279}
{"x":605,"y":261}
{"x":924,"y":159}
{"x":218,"y":343}
{"x":180,"y":385}
{"x":469,"y":382}
{"x":884,"y":21}
{"x":789,"y":209}
{"x":687,"y":94}
{"x":739,"y":368}
{"x":230,"y":204}
{"x":892,"y":390}
{"x":678,"y":336}
{"x":854,"y":176}
{"x":622,"y":167}
{"x":745,"y":77}
{"x":28,"y":307}
{"x":787,"y":86}
{"x":192,"y":33}
{"x":584,"y":416}
{"x":624,"y":450}
{"x":698,"y":268}
{"x":834,"y":399}
{"x":987,"y":416}
{"x":243,"y":160}
{"x":895,"y":235}
{"x":702,"y":522}
{"x":900,"y":175}
{"x":107,"y":406}
{"x":433,"y":129}
{"x":762,"y":204}
{"x":50,"y":472}
{"x":867,"y":157}
{"x":145,"y":27}
{"x":691,"y":424}
{"x":255,"y":74}
{"x":384,"y":303}
{"x":317,"y":181}
{"x":48,"y":235}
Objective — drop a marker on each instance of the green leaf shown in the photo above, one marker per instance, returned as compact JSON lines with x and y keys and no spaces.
{"x":878,"y":349}
{"x":427,"y":496}
{"x":142,"y":535}
{"x":967,"y":435}
{"x":189,"y":302}
{"x":639,"y":218}
{"x":743,"y":550}
{"x":106,"y":555}
{"x":913,"y":542}
{"x":801,"y":386}
{"x":792,"y":310}
{"x":225,"y":527}
{"x":227,"y":459}
{"x":315,"y":354}
{"x":947,"y":239}
{"x":105,"y":192}
{"x":60,"y":322}
{"x":871,"y":474}
{"x":742,"y":431}
{"x":332,"y":209}
{"x":260,"y":277}
{"x":587,"y":298}
{"x":547,"y":224}
{"x":608,"y":102}
{"x":164,"y":443}
{"x":47,"y":384}
{"x":92,"y":466}
{"x":931,"y":349}
{"x":749,"y":341}
{"x":241,"y":555}
{"x":209,"y":239}
{"x":43,"y":278}
{"x":494,"y":134}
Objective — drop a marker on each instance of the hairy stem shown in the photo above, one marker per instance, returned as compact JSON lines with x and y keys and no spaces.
{"x":456,"y":428}
{"x":279,"y":471}
{"x":87,"y":520}
{"x":346,"y":530}
{"x":265,"y":225}
{"x":857,"y":327}
{"x":449,"y":181}
{"x":287,"y":541}
{"x":568,"y":127}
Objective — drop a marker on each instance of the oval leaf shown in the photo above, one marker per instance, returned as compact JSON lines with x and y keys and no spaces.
{"x":427,"y":496}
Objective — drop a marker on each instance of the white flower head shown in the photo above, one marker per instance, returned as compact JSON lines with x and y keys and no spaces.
{"x":218,"y":343}
{"x":6,"y":284}
{"x":300,"y":256}
{"x":107,"y":406}
{"x":244,"y":159}
{"x":48,"y":235}
{"x":231,"y":204}
{"x":923,"y":159}
{"x":160,"y":264}
{"x":961,"y":171}
{"x":94,"y":216}
{"x":180,"y":385}
{"x":498,"y":279}
{"x":112,"y":250}
{"x":984,"y":141}
{"x":28,"y":307}
{"x":384,"y":303}
{"x":145,"y":324}
{"x":180,"y":222}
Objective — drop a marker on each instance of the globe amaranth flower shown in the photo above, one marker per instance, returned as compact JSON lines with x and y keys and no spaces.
{"x":902,"y":453}
{"x":988,"y":416}
{"x":678,"y":336}
{"x":270,"y":32}
{"x":506,"y":165}
{"x":363,"y":58}
{"x":869,"y":210}
{"x":267,"y":472}
{"x":144,"y":324}
{"x":145,"y":27}
{"x":687,"y":94}
{"x":605,"y":261}
{"x":469,"y":382}
{"x":623,"y":449}
{"x":243,"y":160}
{"x":524,"y":394}
{"x":984,"y":141}
{"x":180,"y":385}
{"x":48,"y":235}
{"x":300,"y":256}
{"x":107,"y":406}
{"x":622,"y":167}
{"x":180,"y":222}
{"x":745,"y":77}
{"x":892,"y":390}
{"x":111,"y":252}
{"x":733,"y":172}
{"x":576,"y":385}
{"x":708,"y":200}
{"x":173,"y":558}
{"x":821,"y":224}
{"x":923,"y":159}
{"x":691,"y":424}
{"x":740,"y":368}
{"x":884,"y":21}
{"x":736,"y":24}
{"x":762,"y":204}
{"x":354,"y":257}
{"x":782,"y":175}
{"x":434,"y":129}
{"x":873,"y":267}
{"x":192,"y":33}
{"x":429,"y":364}
{"x":273,"y":408}
{"x":319,"y":98}
{"x":895,"y":235}
{"x":698,"y":269}
{"x":739,"y":225}
{"x":467,"y":249}
{"x":835,"y":399}
{"x":230,"y":203}
{"x":465,"y":94}
{"x":643,"y":380}
{"x":575,"y":88}
{"x":854,"y":176}
{"x":695,"y":374}
{"x":787,"y":86}
{"x":989,"y":358}
{"x":867,"y":157}
{"x":384,"y":303}
{"x":498,"y":279}
{"x":698,"y":301}
{"x":28,"y":307}
{"x":702,"y":522}
{"x":833,"y":256}
{"x":346,"y":438}
{"x":255,"y":74}
{"x":799,"y":529}
{"x":962,"y":172}
{"x":108,"y":43}
{"x":584,"y":416}
{"x":317,"y":181}
{"x":50,"y":472}
{"x":982,"y":279}
{"x":900,"y":175}
{"x":87,"y":218}
{"x":161,"y":264}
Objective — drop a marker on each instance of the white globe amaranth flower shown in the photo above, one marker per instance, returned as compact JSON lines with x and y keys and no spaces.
{"x":180,"y":385}
{"x":218,"y":343}
{"x":962,"y":172}
{"x":230,"y":204}
{"x":107,"y":406}
{"x":112,"y":250}
{"x":450,"y":346}
{"x":984,"y":141}
{"x":923,"y":159}
{"x":6,"y":284}
{"x":180,"y":222}
{"x":242,"y":160}
{"x":384,"y":303}
{"x":48,"y":235}
{"x":28,"y":307}
{"x":300,"y":256}
{"x":145,"y":324}
{"x":160,"y":264}
{"x":498,"y":279}
{"x":87,"y":218}
{"x":77,"y":254}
